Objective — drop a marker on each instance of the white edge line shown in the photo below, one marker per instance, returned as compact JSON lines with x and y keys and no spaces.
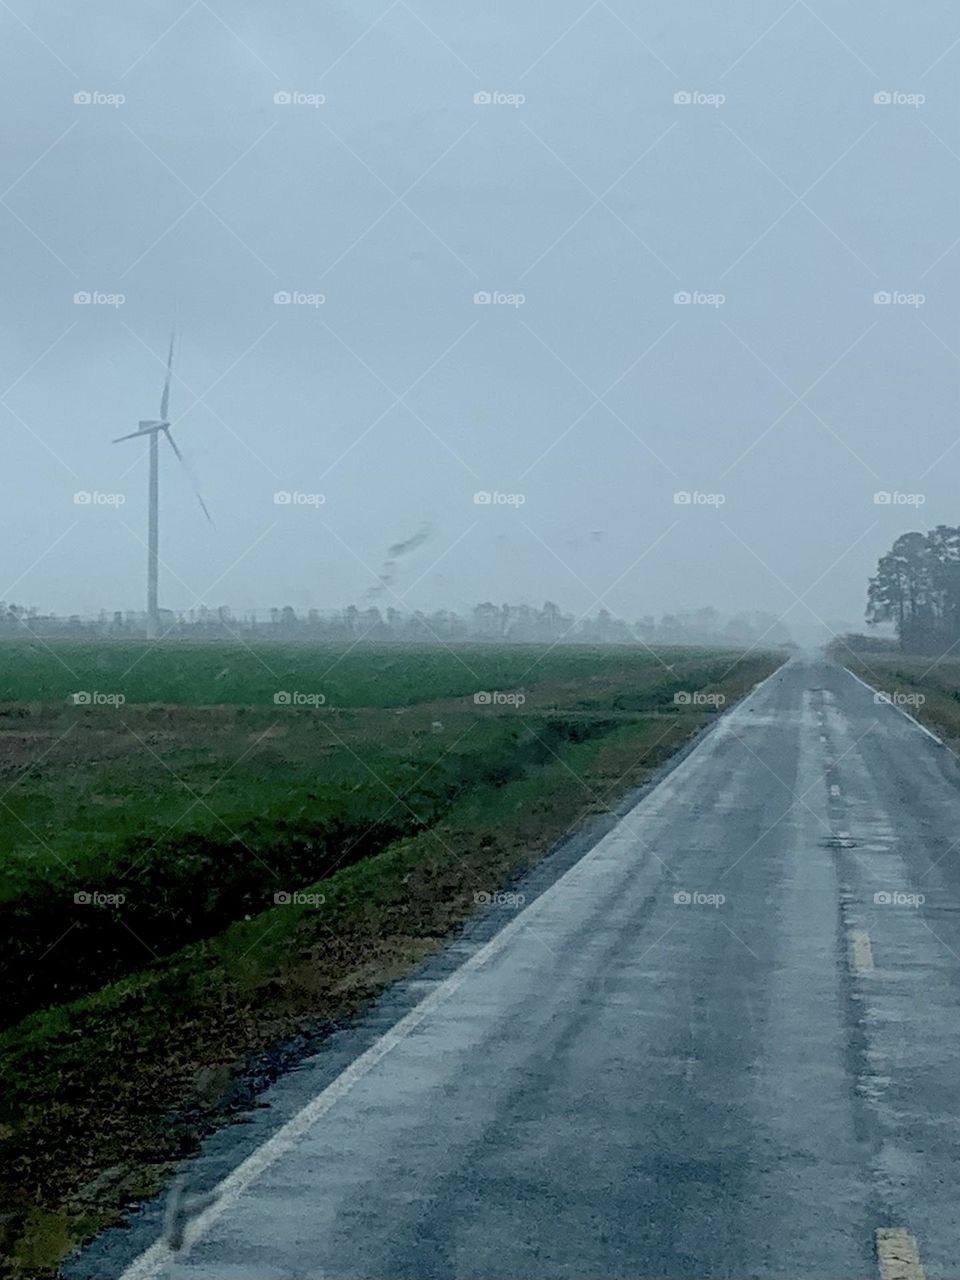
{"x":229,"y":1190}
{"x":913,"y":719}
{"x":861,"y":953}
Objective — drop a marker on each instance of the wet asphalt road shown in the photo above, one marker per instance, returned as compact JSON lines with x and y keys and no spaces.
{"x":706,"y":1051}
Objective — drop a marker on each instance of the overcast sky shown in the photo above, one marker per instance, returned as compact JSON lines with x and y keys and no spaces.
{"x":781,"y":187}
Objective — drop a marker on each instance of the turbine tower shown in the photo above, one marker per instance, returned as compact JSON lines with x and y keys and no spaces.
{"x":151,"y":428}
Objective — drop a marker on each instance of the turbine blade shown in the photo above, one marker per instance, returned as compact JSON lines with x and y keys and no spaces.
{"x":173,"y":446}
{"x":132,"y":436}
{"x":193,"y":484}
{"x":203,"y":506}
{"x":165,"y":398}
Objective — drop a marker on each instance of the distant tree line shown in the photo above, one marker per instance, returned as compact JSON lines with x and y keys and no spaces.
{"x":917,"y":589}
{"x":486,"y":622}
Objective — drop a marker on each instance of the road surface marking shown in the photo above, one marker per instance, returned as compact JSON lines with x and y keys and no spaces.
{"x":898,"y":1255}
{"x":834,"y":789}
{"x":913,"y":719}
{"x":148,"y":1264}
{"x":861,"y":952}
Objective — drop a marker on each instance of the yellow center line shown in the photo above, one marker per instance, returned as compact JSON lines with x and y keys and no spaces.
{"x":898,"y":1255}
{"x":861,"y":952}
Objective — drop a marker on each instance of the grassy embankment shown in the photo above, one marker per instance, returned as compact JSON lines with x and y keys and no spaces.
{"x":928,"y":688}
{"x":132,"y":1025}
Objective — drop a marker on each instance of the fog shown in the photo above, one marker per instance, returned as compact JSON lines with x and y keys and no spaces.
{"x":791,"y":170}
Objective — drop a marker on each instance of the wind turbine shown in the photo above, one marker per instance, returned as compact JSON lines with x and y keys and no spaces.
{"x":152,"y":428}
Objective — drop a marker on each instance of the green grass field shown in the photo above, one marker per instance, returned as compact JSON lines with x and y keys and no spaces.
{"x":361,"y":676}
{"x":192,"y":804}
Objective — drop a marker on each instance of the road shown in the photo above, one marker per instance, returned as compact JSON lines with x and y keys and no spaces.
{"x":707,"y":1050}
